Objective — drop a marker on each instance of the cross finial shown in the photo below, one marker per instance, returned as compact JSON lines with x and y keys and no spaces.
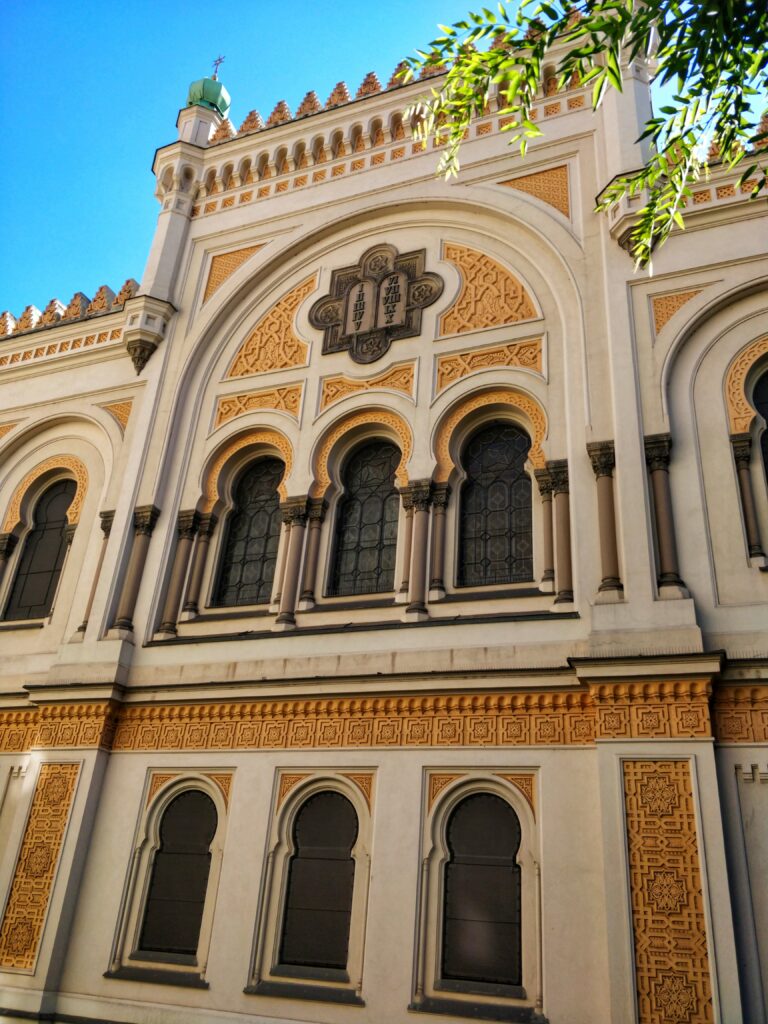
{"x":216,"y":63}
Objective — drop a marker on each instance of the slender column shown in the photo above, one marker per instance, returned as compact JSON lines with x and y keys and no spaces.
{"x":205,"y":530}
{"x":742,"y":454}
{"x":317,"y":510}
{"x":294,"y":513}
{"x":421,"y":496}
{"x":440,"y":495}
{"x":282,"y":558}
{"x":544,"y":480}
{"x":405,"y":496}
{"x":8,"y":543}
{"x":603,"y":458}
{"x":107,"y":519}
{"x":563,"y":574}
{"x":657,"y":453}
{"x":144,"y":519}
{"x":187,"y":525}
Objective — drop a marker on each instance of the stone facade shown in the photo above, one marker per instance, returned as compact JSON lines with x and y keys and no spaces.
{"x":311,"y":285}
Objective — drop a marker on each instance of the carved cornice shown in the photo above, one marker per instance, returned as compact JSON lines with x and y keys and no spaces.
{"x":187,"y":524}
{"x":657,"y":451}
{"x":740,"y":714}
{"x":603,"y":457}
{"x":144,"y":519}
{"x":652,"y":709}
{"x":558,"y":471}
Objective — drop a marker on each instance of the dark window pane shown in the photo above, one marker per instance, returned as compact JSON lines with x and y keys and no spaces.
{"x":34,"y":587}
{"x":481,"y":912}
{"x":179,"y":879}
{"x":495,"y":509}
{"x":248,"y":559}
{"x":366,"y":523}
{"x":321,"y":874}
{"x":760,"y":402}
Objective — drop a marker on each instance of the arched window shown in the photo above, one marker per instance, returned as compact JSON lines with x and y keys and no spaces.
{"x":179,"y":880}
{"x":42,"y":557}
{"x":366,"y":524}
{"x":321,"y":875}
{"x":249,"y":553}
{"x":481,"y":911}
{"x":495,"y":534}
{"x":760,"y":402}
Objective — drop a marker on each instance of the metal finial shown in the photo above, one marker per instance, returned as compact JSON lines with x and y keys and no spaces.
{"x":216,"y":64}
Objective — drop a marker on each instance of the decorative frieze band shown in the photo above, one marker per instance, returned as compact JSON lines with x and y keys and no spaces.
{"x":525,"y":354}
{"x":283,"y":399}
{"x":398,"y":378}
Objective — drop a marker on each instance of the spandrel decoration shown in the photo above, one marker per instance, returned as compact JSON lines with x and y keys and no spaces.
{"x":376,"y":302}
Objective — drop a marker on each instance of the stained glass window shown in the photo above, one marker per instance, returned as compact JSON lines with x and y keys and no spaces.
{"x":760,"y":402}
{"x":366,"y":530}
{"x":495,"y":535}
{"x":42,"y":557}
{"x":249,"y":553}
{"x":481,"y":911}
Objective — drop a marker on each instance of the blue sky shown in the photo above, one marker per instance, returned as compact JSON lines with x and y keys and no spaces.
{"x":93,"y":88}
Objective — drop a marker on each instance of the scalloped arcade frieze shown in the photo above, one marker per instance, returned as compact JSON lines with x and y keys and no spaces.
{"x":491,"y":295}
{"x":273,"y":343}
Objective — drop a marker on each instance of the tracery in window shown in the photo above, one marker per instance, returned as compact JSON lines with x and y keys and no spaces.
{"x":366,"y":523}
{"x":481,"y":940}
{"x":249,"y":552}
{"x":179,"y":881}
{"x":495,"y":524}
{"x":42,"y":556}
{"x":321,"y":875}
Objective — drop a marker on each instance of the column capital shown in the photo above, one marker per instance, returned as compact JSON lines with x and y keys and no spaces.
{"x":440,"y":495}
{"x":657,"y":451}
{"x":294,"y":510}
{"x":8,"y":542}
{"x":208,"y":522}
{"x":107,"y":518}
{"x":69,"y":533}
{"x":317,"y":509}
{"x":602,"y":456}
{"x":544,"y":480}
{"x":420,"y":494}
{"x":144,"y":519}
{"x":742,"y":449}
{"x":558,"y":470}
{"x":187,"y":524}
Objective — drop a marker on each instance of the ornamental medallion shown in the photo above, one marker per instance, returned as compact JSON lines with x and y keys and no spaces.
{"x":376,"y":302}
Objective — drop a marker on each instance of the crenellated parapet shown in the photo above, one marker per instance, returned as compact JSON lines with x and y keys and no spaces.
{"x":80,"y":307}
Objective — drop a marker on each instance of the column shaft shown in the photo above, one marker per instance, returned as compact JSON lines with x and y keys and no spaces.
{"x":421,"y":496}
{"x":107,"y":519}
{"x":440,"y":496}
{"x":563,"y":569}
{"x":295,"y":514}
{"x":603,"y":460}
{"x":186,"y":528}
{"x":657,"y":453}
{"x":282,"y":559}
{"x":204,"y":533}
{"x":144,"y":519}
{"x":742,"y":453}
{"x":544,"y":480}
{"x":407,"y":540}
{"x":7,"y":544}
{"x":317,"y":509}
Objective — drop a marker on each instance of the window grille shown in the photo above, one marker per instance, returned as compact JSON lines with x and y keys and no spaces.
{"x":481,"y":913}
{"x":366,"y":532}
{"x":495,"y":529}
{"x":249,"y":553}
{"x":42,"y":558}
{"x":321,"y":874}
{"x":179,"y":881}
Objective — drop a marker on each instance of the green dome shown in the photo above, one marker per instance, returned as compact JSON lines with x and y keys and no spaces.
{"x":210,"y":93}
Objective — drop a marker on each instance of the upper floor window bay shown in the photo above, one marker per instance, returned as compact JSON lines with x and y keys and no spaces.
{"x":366,"y":522}
{"x":760,"y":402}
{"x":495,"y":523}
{"x":252,"y":534}
{"x":42,"y":556}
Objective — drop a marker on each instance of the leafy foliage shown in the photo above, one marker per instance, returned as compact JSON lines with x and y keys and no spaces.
{"x":711,"y":55}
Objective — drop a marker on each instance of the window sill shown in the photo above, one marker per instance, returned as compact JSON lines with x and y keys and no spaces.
{"x":22,"y":624}
{"x":478,"y":1010}
{"x":313,"y":993}
{"x":158,"y":976}
{"x":495,"y":594}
